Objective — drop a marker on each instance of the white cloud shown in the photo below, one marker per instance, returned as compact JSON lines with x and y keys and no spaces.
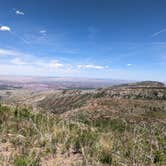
{"x":43,"y":31}
{"x":8,"y":52}
{"x":18,"y":12}
{"x":21,"y":58}
{"x":31,"y":64}
{"x":55,"y":64}
{"x":159,"y":32}
{"x":5,"y":28}
{"x":91,"y":67}
{"x":129,"y":64}
{"x":18,"y":61}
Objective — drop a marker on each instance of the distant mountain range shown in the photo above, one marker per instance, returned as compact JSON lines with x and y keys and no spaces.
{"x":47,"y":83}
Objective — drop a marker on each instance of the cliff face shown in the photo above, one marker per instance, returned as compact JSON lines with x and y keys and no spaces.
{"x":142,"y":90}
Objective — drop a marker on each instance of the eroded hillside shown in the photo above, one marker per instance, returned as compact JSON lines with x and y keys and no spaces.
{"x":120,"y":125}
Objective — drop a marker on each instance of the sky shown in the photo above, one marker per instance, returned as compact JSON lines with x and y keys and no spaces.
{"x":113,"y":39}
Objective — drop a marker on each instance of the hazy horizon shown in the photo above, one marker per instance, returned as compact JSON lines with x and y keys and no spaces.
{"x":73,"y":78}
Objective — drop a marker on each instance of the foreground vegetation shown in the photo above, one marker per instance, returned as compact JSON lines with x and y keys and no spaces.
{"x":32,"y":139}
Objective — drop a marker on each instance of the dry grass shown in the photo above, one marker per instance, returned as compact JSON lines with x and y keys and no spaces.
{"x":28,"y":138}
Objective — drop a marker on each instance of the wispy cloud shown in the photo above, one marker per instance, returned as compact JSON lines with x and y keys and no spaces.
{"x":55,"y":64}
{"x":8,"y":52}
{"x":129,"y":64}
{"x":19,"y":37}
{"x":8,"y":29}
{"x":18,"y":61}
{"x":18,"y":12}
{"x":158,"y":33}
{"x":20,"y":58}
{"x":52,"y":64}
{"x":91,"y":67}
{"x":5,"y":28}
{"x":12,"y":60}
{"x":43,"y":31}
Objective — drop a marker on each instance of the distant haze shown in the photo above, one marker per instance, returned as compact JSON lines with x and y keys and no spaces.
{"x":46,"y":83}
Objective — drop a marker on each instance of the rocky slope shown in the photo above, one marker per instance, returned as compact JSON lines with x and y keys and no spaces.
{"x":120,"y":125}
{"x":141,"y":90}
{"x":75,"y":99}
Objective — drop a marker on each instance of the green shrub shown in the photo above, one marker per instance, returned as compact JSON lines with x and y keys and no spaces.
{"x":20,"y":161}
{"x":99,"y":95}
{"x":107,"y":124}
{"x":25,"y":160}
{"x":105,"y":158}
{"x":160,"y":157}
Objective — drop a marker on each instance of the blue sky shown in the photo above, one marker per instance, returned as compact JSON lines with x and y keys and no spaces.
{"x":119,"y":39}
